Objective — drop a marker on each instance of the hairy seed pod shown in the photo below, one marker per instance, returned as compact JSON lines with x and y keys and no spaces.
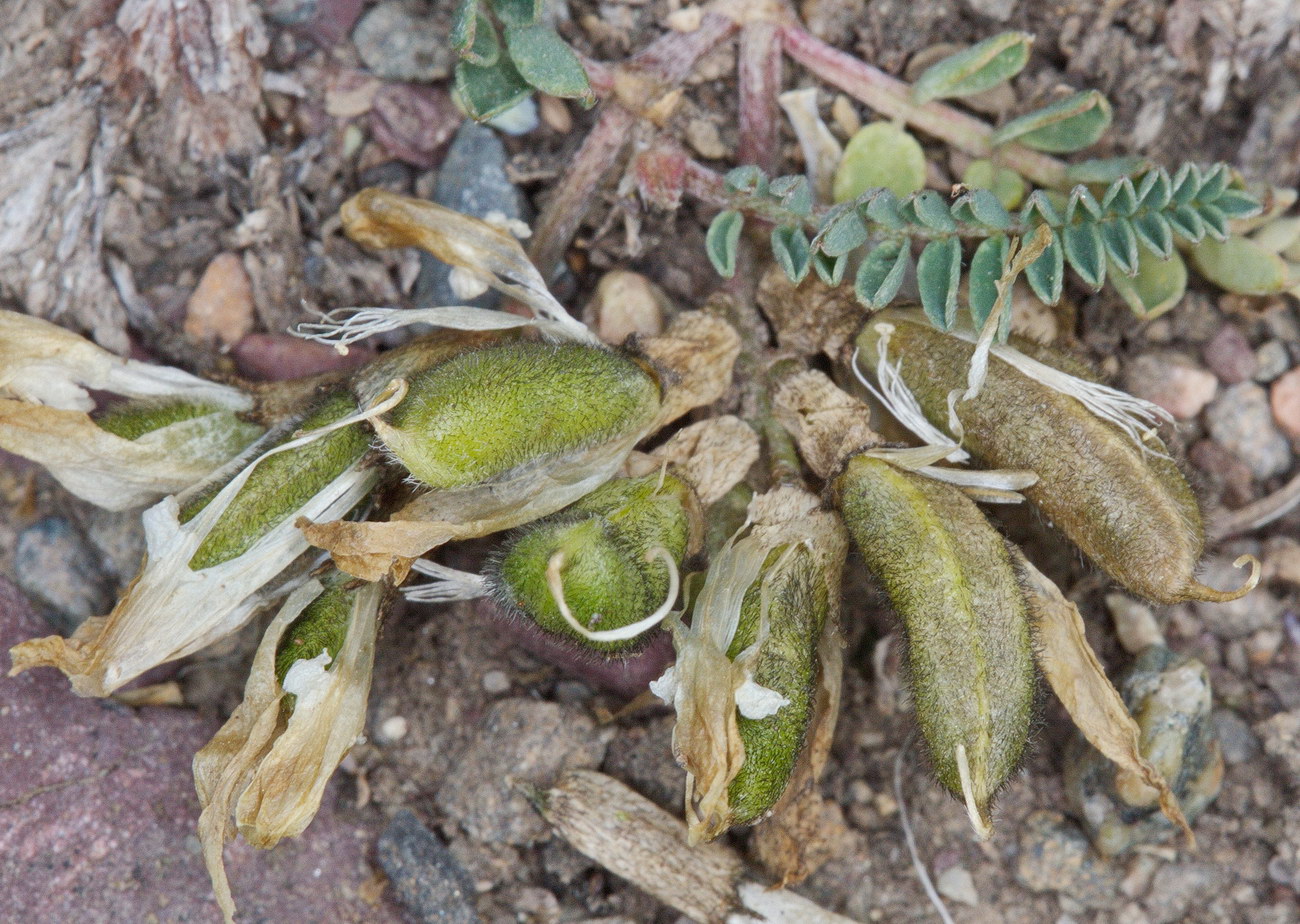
{"x":951,"y":579}
{"x":603,"y":559}
{"x":133,"y":419}
{"x":483,"y":413}
{"x":1126,"y":506}
{"x":281,"y":483}
{"x":322,"y":626}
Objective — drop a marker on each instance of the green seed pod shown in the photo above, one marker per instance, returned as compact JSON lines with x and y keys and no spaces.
{"x":951,"y":579}
{"x":281,"y":484}
{"x":610,"y":560}
{"x":134,"y":419}
{"x":322,"y":626}
{"x":1126,"y":506}
{"x":744,"y":684}
{"x":1169,"y":696}
{"x":483,"y":413}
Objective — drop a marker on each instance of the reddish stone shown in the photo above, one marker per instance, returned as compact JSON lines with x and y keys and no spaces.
{"x":1284,"y":397}
{"x":414,"y":123}
{"x":1230,"y":356}
{"x":276,"y":357}
{"x":98,"y":816}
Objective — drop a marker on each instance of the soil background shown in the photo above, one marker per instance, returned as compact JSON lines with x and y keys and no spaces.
{"x":181,"y":207}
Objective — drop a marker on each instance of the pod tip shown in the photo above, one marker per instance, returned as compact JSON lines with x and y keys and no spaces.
{"x":1198,"y":591}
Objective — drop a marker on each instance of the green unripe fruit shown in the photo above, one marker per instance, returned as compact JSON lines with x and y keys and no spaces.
{"x":482,"y":413}
{"x":798,"y":604}
{"x":605,"y":552}
{"x":282,"y":483}
{"x":322,"y":626}
{"x":1127,"y":507}
{"x":133,"y":419}
{"x":950,"y":577}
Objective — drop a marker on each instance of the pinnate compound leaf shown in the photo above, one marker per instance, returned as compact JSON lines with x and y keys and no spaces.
{"x":1154,"y":233}
{"x":879,"y":155}
{"x":490,"y":91}
{"x":1186,"y":222}
{"x":547,"y":63}
{"x":938,"y":273}
{"x":842,"y":234}
{"x":796,"y":194}
{"x":1121,"y":197}
{"x":723,"y":241}
{"x":830,"y":270}
{"x":985,"y":271}
{"x":1156,"y":190}
{"x":1121,"y":244}
{"x":747,"y":178}
{"x":881,"y":274}
{"x":1046,"y":274}
{"x":1106,"y":170}
{"x":976,"y":69}
{"x":1216,"y":223}
{"x":1237,"y":203}
{"x":882,"y":208}
{"x":1085,"y":252}
{"x":1070,"y":124}
{"x":1187,"y":183}
{"x":791,"y":250}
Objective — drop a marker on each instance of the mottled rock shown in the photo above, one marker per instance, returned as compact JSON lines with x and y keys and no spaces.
{"x":642,"y":756}
{"x":220,"y":310}
{"x":1284,"y":868}
{"x":957,"y":884}
{"x":425,"y":877}
{"x":398,"y":45}
{"x":1169,"y":696}
{"x":1241,"y":421}
{"x":1229,"y":355}
{"x":1284,"y":397}
{"x":57,"y":569}
{"x":412,"y":122}
{"x":1055,"y":857}
{"x":1271,"y":360}
{"x":1172,"y":381}
{"x":473,"y":181}
{"x":98,"y":816}
{"x":1281,"y":737}
{"x":521,"y":742}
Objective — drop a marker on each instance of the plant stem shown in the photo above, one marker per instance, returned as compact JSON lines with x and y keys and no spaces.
{"x":758,"y":69}
{"x":892,"y":98}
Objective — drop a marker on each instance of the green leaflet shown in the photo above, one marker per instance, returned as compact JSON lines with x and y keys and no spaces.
{"x":1070,"y":124}
{"x":879,"y":155}
{"x":976,"y":69}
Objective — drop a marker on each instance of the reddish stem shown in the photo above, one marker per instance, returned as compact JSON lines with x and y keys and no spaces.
{"x":892,"y":98}
{"x":759,"y":73}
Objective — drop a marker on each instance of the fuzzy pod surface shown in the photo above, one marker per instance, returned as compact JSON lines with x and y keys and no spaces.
{"x":1130,"y":511}
{"x":608,"y":571}
{"x":798,"y":604}
{"x":322,"y":626}
{"x":484,"y":412}
{"x":952,"y":581}
{"x":281,"y":483}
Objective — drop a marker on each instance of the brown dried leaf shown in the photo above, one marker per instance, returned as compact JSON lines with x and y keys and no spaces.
{"x":811,"y":317}
{"x":1079,"y":681}
{"x":696,"y":355}
{"x":713,"y":455}
{"x":828,"y":424}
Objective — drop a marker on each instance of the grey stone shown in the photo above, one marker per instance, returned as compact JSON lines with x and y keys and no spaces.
{"x":1229,"y":355}
{"x":395,"y":44}
{"x":426,"y":878}
{"x":1281,"y":737}
{"x":1055,"y":857}
{"x":1271,"y":360}
{"x":997,"y":10}
{"x":1179,"y":887}
{"x":55,"y":567}
{"x":472,"y":180}
{"x":1238,"y":742}
{"x":521,"y":743}
{"x":1241,"y":421}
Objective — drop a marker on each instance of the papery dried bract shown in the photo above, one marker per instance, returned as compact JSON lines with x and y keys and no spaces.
{"x":263,"y":775}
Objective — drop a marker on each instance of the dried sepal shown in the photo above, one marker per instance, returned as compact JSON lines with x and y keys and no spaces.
{"x":828,"y":424}
{"x":172,"y":610}
{"x":116,"y":473}
{"x":382,"y":219}
{"x":265,"y":771}
{"x":1079,"y":681}
{"x":41,"y":363}
{"x":749,"y":656}
{"x":712,"y":456}
{"x":696,"y":355}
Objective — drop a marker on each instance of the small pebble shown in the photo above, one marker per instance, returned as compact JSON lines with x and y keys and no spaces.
{"x":997,"y":10}
{"x":957,"y":884}
{"x":276,"y":357}
{"x":1172,"y":381}
{"x":626,"y":303}
{"x":1135,"y":624}
{"x":413,"y":123}
{"x":1281,"y":738}
{"x":519,"y":119}
{"x":393,"y":729}
{"x":1229,"y":356}
{"x":496,"y":682}
{"x":398,"y":46}
{"x":56,"y":568}
{"x":220,"y":310}
{"x":1282,"y":560}
{"x":425,"y":877}
{"x":1241,"y":421}
{"x":1285,"y":400}
{"x":703,"y":136}
{"x":1238,"y":742}
{"x":1271,"y":360}
{"x":1055,"y":856}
